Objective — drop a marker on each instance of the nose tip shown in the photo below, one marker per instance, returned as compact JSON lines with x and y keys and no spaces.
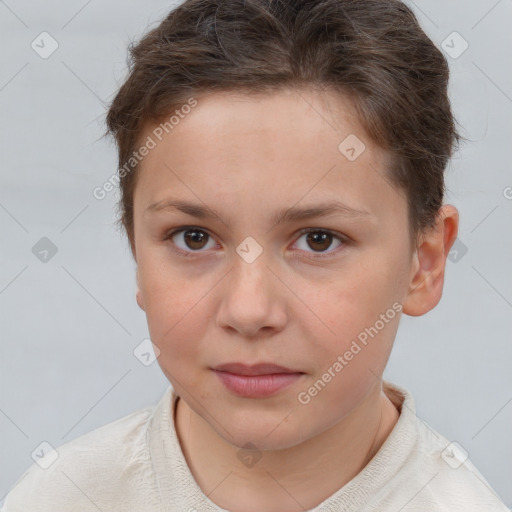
{"x":250,"y":302}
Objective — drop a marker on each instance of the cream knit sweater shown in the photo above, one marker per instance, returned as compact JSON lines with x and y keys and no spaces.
{"x":135,"y":464}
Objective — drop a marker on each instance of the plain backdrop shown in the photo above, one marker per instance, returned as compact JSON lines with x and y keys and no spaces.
{"x":70,"y":325}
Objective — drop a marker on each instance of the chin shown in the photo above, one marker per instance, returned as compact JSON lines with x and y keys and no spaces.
{"x":277,"y":435}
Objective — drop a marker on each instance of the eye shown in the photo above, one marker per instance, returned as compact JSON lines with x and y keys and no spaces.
{"x":193,"y":240}
{"x":319,"y":240}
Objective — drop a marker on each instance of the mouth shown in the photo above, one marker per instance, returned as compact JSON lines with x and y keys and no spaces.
{"x":256,"y":381}
{"x":255,"y":369}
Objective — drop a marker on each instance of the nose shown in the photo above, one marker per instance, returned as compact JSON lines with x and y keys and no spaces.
{"x":253,"y":299}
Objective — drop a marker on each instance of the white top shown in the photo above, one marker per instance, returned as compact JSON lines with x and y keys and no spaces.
{"x":135,"y":464}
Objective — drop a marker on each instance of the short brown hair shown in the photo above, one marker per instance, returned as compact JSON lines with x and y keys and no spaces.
{"x":373,"y":51}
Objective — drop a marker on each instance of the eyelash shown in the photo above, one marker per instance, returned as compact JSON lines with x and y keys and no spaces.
{"x":192,"y":254}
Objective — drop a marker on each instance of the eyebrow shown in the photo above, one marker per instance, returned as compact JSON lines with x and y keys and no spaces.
{"x":293,"y":213}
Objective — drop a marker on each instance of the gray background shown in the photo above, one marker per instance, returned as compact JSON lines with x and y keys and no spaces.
{"x":69,"y":326}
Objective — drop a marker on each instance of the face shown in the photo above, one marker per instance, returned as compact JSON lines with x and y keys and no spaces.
{"x":235,"y":280}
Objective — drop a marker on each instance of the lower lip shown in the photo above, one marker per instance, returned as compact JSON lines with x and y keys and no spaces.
{"x":257,"y":386}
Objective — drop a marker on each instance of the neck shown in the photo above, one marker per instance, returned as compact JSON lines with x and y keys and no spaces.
{"x":291,"y":479}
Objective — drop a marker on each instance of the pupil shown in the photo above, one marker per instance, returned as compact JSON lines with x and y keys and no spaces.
{"x":195,"y":237}
{"x":323,"y":238}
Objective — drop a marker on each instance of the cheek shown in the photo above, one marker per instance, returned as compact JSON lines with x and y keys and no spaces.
{"x":349,"y":362}
{"x":174,"y":307}
{"x":177,"y":322}
{"x":358,"y":319}
{"x":352,"y":300}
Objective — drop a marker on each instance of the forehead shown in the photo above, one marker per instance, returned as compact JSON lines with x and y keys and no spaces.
{"x":278,"y":146}
{"x":285,"y":112}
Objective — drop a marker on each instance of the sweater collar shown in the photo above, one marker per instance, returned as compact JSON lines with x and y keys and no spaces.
{"x":179,"y":490}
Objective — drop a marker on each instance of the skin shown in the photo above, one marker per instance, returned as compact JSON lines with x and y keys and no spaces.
{"x":246,"y":157}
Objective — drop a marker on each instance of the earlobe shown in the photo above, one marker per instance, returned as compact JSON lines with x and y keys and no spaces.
{"x":428,"y":268}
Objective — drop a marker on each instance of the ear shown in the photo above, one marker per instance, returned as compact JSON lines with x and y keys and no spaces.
{"x":138,"y":295}
{"x":140,"y":302}
{"x":429,"y":262}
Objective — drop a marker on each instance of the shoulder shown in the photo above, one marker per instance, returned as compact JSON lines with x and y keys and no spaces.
{"x":447,"y":478}
{"x":434,"y":474}
{"x":456,"y":484}
{"x":88,"y":472}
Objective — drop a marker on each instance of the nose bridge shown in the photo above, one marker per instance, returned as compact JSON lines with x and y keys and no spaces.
{"x":250,"y":267}
{"x":250,"y":301}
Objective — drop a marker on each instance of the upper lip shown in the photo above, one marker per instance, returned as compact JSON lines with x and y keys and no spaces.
{"x":255,"y":369}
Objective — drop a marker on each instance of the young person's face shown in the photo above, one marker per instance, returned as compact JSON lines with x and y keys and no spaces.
{"x":211,"y":299}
